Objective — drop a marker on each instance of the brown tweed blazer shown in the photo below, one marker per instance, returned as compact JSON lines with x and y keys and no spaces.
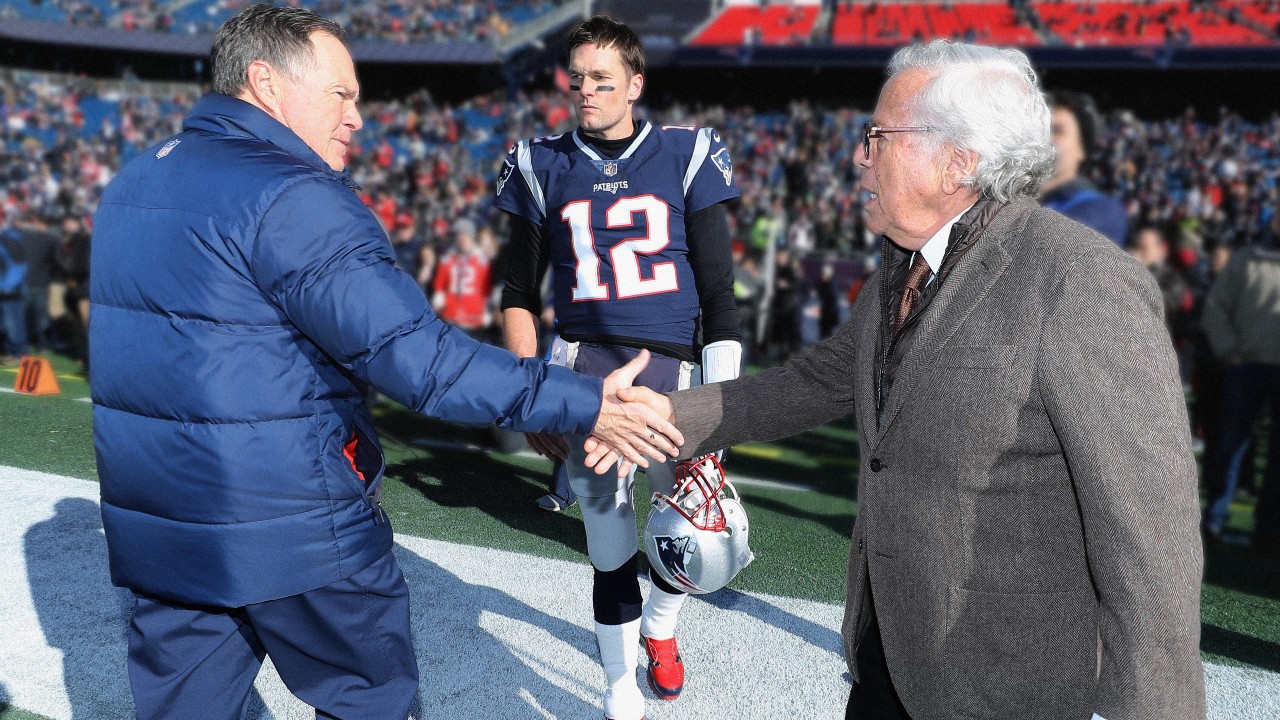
{"x":1028,"y":509}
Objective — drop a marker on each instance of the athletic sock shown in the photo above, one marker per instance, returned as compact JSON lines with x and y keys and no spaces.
{"x":661,"y":611}
{"x":619,"y":654}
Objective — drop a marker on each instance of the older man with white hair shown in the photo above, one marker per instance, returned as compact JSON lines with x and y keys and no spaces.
{"x":1026,"y":543}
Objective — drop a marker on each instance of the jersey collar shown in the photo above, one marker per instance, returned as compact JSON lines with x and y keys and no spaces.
{"x":590,"y":152}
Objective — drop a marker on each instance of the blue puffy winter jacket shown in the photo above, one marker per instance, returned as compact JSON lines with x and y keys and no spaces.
{"x":243,"y":296}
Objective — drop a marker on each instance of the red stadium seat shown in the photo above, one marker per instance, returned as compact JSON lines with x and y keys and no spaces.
{"x":772,"y":25}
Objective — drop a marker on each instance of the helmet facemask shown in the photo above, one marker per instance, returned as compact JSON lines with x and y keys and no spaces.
{"x":696,"y":538}
{"x":699,"y":484}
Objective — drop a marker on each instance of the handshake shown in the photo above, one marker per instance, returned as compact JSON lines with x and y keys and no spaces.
{"x":634,"y":426}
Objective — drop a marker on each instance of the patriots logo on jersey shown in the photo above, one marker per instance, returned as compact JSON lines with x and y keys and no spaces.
{"x":610,"y":187}
{"x":504,"y":174}
{"x":724,"y":164}
{"x":673,"y":553}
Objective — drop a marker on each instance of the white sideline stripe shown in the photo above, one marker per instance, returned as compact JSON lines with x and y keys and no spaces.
{"x":490,"y":642}
{"x":81,"y":399}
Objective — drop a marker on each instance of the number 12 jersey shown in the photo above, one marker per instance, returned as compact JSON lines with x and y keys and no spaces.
{"x":615,"y":227}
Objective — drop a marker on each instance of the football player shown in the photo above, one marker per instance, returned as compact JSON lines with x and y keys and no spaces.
{"x":629,"y":217}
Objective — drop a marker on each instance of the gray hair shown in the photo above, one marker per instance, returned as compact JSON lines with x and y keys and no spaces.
{"x":988,"y":101}
{"x":280,"y":36}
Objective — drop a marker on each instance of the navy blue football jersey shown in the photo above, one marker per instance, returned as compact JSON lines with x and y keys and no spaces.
{"x":619,"y":256}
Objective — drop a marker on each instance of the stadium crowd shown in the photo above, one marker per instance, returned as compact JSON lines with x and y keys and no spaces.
{"x":1195,"y":22}
{"x":400,"y":21}
{"x":1202,"y":185}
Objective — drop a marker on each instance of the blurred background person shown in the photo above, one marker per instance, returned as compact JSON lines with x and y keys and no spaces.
{"x":747,"y":294}
{"x":1242,"y":322}
{"x":73,"y":267}
{"x":1207,"y":371}
{"x":13,"y":297}
{"x":462,"y":283}
{"x":40,"y":246}
{"x":1149,"y":246}
{"x":785,"y":304}
{"x":828,"y":301}
{"x":1074,"y":126}
{"x":426,"y":268}
{"x":405,"y":243}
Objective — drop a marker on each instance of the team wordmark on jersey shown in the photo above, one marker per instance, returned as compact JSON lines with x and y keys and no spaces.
{"x":610,"y":187}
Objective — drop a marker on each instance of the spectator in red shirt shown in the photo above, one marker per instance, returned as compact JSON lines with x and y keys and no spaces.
{"x":462,"y":282}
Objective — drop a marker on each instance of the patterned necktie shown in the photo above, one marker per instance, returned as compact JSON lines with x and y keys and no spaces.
{"x":916,"y":278}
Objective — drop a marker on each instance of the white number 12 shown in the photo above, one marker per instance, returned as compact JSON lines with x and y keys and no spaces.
{"x":626,"y":268}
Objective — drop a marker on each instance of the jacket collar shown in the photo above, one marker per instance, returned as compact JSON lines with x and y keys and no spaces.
{"x":991,"y":227}
{"x":225,"y":115}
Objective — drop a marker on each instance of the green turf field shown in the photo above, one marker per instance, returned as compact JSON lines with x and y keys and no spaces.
{"x":446,"y":482}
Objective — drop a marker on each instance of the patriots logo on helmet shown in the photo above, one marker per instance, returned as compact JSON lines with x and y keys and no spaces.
{"x":673,"y":552}
{"x":724,"y":164}
{"x":504,"y":174}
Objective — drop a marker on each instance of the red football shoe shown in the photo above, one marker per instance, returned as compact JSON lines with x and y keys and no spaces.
{"x":666,"y":670}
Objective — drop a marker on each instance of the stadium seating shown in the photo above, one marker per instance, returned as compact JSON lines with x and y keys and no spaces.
{"x":992,"y":23}
{"x":1263,"y":15}
{"x":1082,"y":23}
{"x":778,"y":24}
{"x":857,"y":23}
{"x":1085,"y":24}
{"x":388,"y":20}
{"x":880,"y":24}
{"x":893,"y":24}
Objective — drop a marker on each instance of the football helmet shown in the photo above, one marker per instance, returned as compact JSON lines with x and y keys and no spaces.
{"x":696,"y":538}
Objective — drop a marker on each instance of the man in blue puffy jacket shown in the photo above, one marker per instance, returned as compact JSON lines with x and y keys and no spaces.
{"x":243,"y":301}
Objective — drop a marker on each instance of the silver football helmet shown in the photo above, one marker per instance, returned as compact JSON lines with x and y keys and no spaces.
{"x":696,"y":538}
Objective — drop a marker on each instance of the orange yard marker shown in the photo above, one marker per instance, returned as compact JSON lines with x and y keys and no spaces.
{"x":35,"y":377}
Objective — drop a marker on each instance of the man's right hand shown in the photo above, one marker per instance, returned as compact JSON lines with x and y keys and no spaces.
{"x":601,"y":454}
{"x":630,"y":431}
{"x":548,"y":445}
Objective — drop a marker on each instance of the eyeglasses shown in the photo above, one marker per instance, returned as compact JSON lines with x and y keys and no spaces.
{"x":870,"y":131}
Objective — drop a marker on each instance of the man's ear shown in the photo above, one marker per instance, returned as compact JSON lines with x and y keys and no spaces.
{"x":635,"y":87}
{"x":960,"y":166}
{"x":263,"y":89}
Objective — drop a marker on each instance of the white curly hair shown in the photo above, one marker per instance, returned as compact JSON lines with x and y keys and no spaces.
{"x":986,"y":100}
